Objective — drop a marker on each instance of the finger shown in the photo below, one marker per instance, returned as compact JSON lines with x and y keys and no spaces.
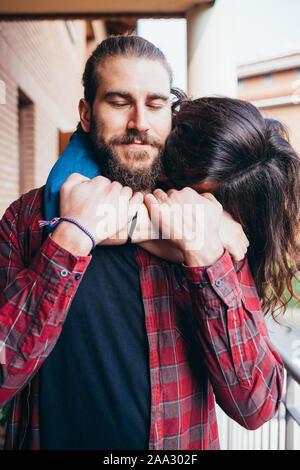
{"x":101,"y":180}
{"x":160,"y":195}
{"x":126,"y":192}
{"x":245,"y":246}
{"x":114,"y":188}
{"x":171,"y":191}
{"x":116,"y":185}
{"x":134,"y":208}
{"x":149,"y":200}
{"x":188,"y":189}
{"x":101,"y":184}
{"x":137,"y":198}
{"x":209,"y":196}
{"x":153,"y":207}
{"x":75,"y":178}
{"x":134,"y":204}
{"x":242,"y":245}
{"x":237,"y":255}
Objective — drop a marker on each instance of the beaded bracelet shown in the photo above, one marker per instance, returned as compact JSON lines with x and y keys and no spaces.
{"x":56,"y":220}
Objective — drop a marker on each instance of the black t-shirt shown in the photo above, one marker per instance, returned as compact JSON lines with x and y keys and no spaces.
{"x":95,"y":384}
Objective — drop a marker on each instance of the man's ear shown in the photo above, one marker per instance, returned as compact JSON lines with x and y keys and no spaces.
{"x":85,"y":114}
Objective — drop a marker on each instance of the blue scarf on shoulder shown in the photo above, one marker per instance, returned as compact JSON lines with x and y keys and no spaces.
{"x":78,"y":157}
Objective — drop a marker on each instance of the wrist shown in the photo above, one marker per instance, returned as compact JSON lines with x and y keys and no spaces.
{"x":204,"y":257}
{"x":72,"y":238}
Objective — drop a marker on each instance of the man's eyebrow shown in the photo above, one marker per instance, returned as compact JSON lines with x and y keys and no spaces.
{"x":115,"y":93}
{"x":158,"y":96}
{"x":126,"y":95}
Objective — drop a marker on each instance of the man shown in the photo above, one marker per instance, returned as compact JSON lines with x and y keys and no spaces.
{"x":118,"y":349}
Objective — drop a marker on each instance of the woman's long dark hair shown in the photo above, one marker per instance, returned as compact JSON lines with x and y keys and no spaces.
{"x":227,"y":141}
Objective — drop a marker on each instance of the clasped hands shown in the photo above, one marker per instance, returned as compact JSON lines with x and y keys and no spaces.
{"x":194,"y":227}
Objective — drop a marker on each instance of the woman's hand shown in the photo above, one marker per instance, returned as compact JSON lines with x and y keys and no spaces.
{"x":191,"y":222}
{"x":231,"y":234}
{"x":233,"y":237}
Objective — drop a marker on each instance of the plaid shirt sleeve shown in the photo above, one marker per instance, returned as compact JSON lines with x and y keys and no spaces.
{"x":243,"y":366}
{"x":36,"y":290}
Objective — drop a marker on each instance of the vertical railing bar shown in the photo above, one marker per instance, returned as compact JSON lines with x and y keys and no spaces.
{"x":270,"y":434}
{"x":278,"y":427}
{"x":228,"y":435}
{"x":248,"y":440}
{"x":289,"y":427}
{"x":282,"y":408}
{"x":280,"y":418}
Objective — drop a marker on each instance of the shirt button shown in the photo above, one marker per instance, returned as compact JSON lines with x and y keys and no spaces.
{"x":63,"y":273}
{"x":201,"y":285}
{"x":77,"y":276}
{"x":218,"y":282}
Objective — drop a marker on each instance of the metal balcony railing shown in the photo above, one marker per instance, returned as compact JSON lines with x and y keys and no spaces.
{"x":283,"y":431}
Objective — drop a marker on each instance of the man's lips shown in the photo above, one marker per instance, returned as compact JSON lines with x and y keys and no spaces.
{"x":136,"y":141}
{"x":136,"y":144}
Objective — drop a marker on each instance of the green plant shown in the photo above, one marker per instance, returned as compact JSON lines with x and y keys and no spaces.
{"x":296,"y":287}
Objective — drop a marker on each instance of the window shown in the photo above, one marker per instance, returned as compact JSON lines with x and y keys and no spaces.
{"x":268,"y":79}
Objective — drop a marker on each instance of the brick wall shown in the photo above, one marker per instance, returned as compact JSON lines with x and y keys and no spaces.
{"x":40,"y":63}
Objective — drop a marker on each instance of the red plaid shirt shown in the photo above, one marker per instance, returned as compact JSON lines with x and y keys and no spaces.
{"x":206,"y":333}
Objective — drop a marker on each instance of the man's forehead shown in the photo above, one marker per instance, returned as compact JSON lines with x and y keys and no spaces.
{"x":132,"y":73}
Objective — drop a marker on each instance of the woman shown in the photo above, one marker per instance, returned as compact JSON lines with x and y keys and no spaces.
{"x":226,"y":147}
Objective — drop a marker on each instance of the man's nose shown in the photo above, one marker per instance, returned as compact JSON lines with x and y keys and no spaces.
{"x":138,"y":119}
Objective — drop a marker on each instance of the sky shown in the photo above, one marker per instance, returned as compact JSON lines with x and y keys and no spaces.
{"x":262,"y":29}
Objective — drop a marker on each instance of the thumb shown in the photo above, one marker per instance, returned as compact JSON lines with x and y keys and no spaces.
{"x":150,"y":199}
{"x":154,"y":210}
{"x":134,"y":204}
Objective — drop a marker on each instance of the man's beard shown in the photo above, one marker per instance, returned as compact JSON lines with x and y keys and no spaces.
{"x":138,"y":179}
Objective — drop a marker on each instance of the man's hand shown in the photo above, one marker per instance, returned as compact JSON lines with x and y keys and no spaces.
{"x":99,"y":205}
{"x":190,"y":221}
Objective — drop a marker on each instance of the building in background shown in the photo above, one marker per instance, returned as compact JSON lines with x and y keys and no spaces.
{"x":41,"y":66}
{"x":273,"y":85}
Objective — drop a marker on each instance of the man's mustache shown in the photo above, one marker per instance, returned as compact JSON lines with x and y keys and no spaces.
{"x":132,"y":137}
